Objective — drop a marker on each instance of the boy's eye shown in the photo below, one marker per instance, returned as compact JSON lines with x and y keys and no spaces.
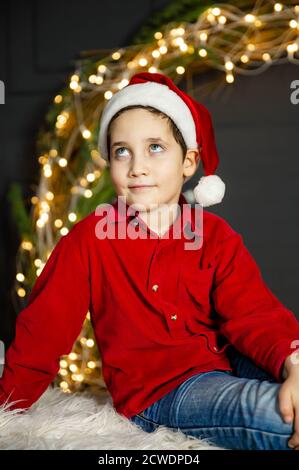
{"x":158,"y":145}
{"x":117,"y":150}
{"x":120,"y":154}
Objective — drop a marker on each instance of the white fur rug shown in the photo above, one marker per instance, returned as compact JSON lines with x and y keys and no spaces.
{"x":61,"y":420}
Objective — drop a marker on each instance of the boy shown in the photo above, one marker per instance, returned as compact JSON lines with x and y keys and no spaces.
{"x":165,"y":317}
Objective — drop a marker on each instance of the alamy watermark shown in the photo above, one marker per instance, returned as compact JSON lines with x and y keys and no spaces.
{"x":2,"y":92}
{"x":2,"y":356}
{"x":294,"y":97}
{"x":185,"y":225}
{"x":295,"y":354}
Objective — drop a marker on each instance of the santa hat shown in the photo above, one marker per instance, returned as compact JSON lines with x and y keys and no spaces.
{"x":192,"y":119}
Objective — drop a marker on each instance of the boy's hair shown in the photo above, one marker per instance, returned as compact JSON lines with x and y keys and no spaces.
{"x":175,"y":131}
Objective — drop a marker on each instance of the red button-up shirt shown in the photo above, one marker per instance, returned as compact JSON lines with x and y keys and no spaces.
{"x":161,"y":313}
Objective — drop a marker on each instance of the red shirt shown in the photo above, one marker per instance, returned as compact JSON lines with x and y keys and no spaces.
{"x":160,"y":313}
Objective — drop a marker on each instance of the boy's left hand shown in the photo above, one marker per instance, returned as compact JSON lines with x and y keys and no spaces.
{"x":289,"y":399}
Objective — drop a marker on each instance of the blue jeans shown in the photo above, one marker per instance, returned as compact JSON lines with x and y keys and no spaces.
{"x":233,"y":410}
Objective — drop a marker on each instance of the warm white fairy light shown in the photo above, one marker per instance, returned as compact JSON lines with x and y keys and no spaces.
{"x":58,"y":223}
{"x":178,"y":41}
{"x":49,"y":195}
{"x":34,"y":200}
{"x":92,"y":78}
{"x":88,"y":193}
{"x":108,"y":95}
{"x":266,"y":57}
{"x":116,"y":56}
{"x":278,"y":7}
{"x":72,"y":217}
{"x":73,"y":356}
{"x":20,"y":277}
{"x":74,"y":85}
{"x":163,"y":49}
{"x":143,"y":62}
{"x":293,"y":24}
{"x":216,"y":11}
{"x":202,"y":52}
{"x":180,"y":70}
{"x":250,"y":47}
{"x":47,"y":170}
{"x":64,"y":231}
{"x":58,"y":99}
{"x":222,"y":19}
{"x":229,"y":78}
{"x":90,"y":343}
{"x":249,"y":18}
{"x":26,"y":245}
{"x":21,"y":292}
{"x":99,"y":80}
{"x":90,"y":177}
{"x":64,"y":385}
{"x":77,"y":377}
{"x":44,"y":206}
{"x":183,"y":47}
{"x":229,"y":65}
{"x":292,"y":47}
{"x":244,"y":58}
{"x":86,"y":134}
{"x":156,"y":53}
{"x":102,"y":68}
{"x":124,"y":82}
{"x":62,"y":162}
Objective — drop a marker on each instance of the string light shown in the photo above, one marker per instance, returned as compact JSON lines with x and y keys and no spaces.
{"x":180,"y":70}
{"x":21,"y":292}
{"x":278,"y":7}
{"x":249,"y":18}
{"x":72,"y":217}
{"x":62,"y":162}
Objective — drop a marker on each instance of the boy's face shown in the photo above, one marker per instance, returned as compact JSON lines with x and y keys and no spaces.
{"x":143,"y":151}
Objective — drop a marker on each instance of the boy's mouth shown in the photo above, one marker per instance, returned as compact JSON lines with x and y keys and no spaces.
{"x":141,"y":186}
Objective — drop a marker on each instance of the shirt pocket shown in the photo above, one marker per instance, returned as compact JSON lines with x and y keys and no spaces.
{"x":195,"y":289}
{"x":197,"y":284}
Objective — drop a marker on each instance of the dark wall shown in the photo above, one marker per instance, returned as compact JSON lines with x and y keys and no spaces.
{"x":256,"y":128}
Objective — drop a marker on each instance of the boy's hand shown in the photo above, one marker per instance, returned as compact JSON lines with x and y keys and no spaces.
{"x":289,"y":399}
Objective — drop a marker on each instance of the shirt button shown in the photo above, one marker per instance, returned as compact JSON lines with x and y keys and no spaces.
{"x":135,"y":222}
{"x":173,"y":317}
{"x":155,"y":287}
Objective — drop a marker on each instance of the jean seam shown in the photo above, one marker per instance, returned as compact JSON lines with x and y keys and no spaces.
{"x":147,"y":420}
{"x":235,"y":427}
{"x":184,"y":393}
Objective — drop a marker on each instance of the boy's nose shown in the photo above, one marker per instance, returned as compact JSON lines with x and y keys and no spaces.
{"x":138,"y":167}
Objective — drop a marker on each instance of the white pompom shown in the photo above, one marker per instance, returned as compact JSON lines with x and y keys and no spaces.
{"x":209,"y":190}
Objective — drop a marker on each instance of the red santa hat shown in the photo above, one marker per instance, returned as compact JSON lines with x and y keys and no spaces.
{"x":191,"y":117}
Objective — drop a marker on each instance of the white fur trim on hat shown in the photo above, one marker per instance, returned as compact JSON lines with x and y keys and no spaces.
{"x":209,"y":190}
{"x":152,"y":94}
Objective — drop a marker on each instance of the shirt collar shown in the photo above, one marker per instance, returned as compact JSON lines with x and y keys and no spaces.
{"x":120,"y":211}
